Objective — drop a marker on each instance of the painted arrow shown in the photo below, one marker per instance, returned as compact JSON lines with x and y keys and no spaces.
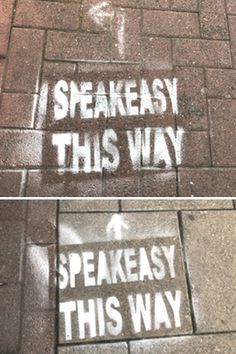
{"x":103,"y":10}
{"x":116,"y":225}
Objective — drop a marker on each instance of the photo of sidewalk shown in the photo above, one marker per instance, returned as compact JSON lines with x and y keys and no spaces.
{"x":133,"y":276}
{"x":117,"y":98}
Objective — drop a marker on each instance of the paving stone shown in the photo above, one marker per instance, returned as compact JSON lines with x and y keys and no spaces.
{"x":2,"y":67}
{"x":157,"y":53}
{"x":76,"y":228}
{"x":88,"y":205}
{"x":77,"y":237}
{"x":24,"y":59}
{"x":47,"y":15}
{"x":41,"y":221}
{"x":131,"y":204}
{"x":190,"y":156}
{"x":44,"y":183}
{"x":213,"y":19}
{"x":18,"y":110}
{"x":201,"y":52}
{"x":191,"y":99}
{"x":107,"y":348}
{"x":221,"y":83}
{"x":207,"y":344}
{"x":231,"y":6}
{"x":121,"y":184}
{"x":10,"y":297}
{"x":39,"y":286}
{"x":232,"y":27}
{"x":38,"y":333}
{"x":223,"y":148}
{"x":20,"y":148}
{"x":158,"y":183}
{"x":10,"y":185}
{"x":207,"y":182}
{"x":187,"y":5}
{"x":77,"y":46}
{"x":210,"y":249}
{"x":12,"y":210}
{"x":6,"y":11}
{"x":173,"y":24}
{"x":12,"y":237}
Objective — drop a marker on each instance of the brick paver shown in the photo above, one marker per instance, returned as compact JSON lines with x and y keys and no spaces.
{"x":202,"y":231}
{"x":43,"y":42}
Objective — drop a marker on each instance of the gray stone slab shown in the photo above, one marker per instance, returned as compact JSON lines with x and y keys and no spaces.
{"x":88,"y":205}
{"x":10,"y":299}
{"x":11,"y":236}
{"x":38,"y":333}
{"x":130,"y":204}
{"x":108,"y":348}
{"x":80,"y":228}
{"x":207,"y":344}
{"x":103,"y":280}
{"x":210,"y":240}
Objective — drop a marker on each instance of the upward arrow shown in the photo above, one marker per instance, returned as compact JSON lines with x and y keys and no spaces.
{"x":116,"y":225}
{"x":102,"y":11}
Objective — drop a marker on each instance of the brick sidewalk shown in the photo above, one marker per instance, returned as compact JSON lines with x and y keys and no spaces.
{"x":42,"y":42}
{"x":205,"y":271}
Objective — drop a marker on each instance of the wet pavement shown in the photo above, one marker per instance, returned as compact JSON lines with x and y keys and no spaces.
{"x":117,"y":98}
{"x":133,"y":276}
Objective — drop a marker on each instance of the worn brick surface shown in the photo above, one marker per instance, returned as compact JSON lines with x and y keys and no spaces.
{"x":171,"y":24}
{"x":209,"y":344}
{"x":231,"y":6}
{"x":192,"y":99}
{"x":210,"y":248}
{"x":17,"y":110}
{"x":27,"y":279}
{"x":38,"y":333}
{"x":232,"y":26}
{"x":175,"y":204}
{"x":12,"y":210}
{"x":6,"y":11}
{"x":65,"y":184}
{"x":12,"y":237}
{"x":158,"y":183}
{"x":24,"y":63}
{"x":47,"y":15}
{"x":10,"y":297}
{"x":119,"y":348}
{"x":221,"y":83}
{"x":201,"y":52}
{"x":207,"y":182}
{"x":11,"y":183}
{"x":223,"y":149}
{"x":43,"y":42}
{"x":213,"y":19}
{"x":88,"y":205}
{"x":2,"y":65}
{"x":41,"y":221}
{"x":74,"y":46}
{"x":188,"y":5}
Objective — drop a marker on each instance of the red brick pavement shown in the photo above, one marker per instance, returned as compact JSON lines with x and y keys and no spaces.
{"x":47,"y":41}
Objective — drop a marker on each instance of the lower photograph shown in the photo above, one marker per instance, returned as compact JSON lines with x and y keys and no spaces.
{"x":118,"y":276}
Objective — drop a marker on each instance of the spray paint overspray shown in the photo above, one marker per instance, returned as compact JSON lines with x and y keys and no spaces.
{"x":120,"y":287}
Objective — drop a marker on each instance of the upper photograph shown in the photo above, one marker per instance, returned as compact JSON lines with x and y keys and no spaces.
{"x":118,"y":98}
